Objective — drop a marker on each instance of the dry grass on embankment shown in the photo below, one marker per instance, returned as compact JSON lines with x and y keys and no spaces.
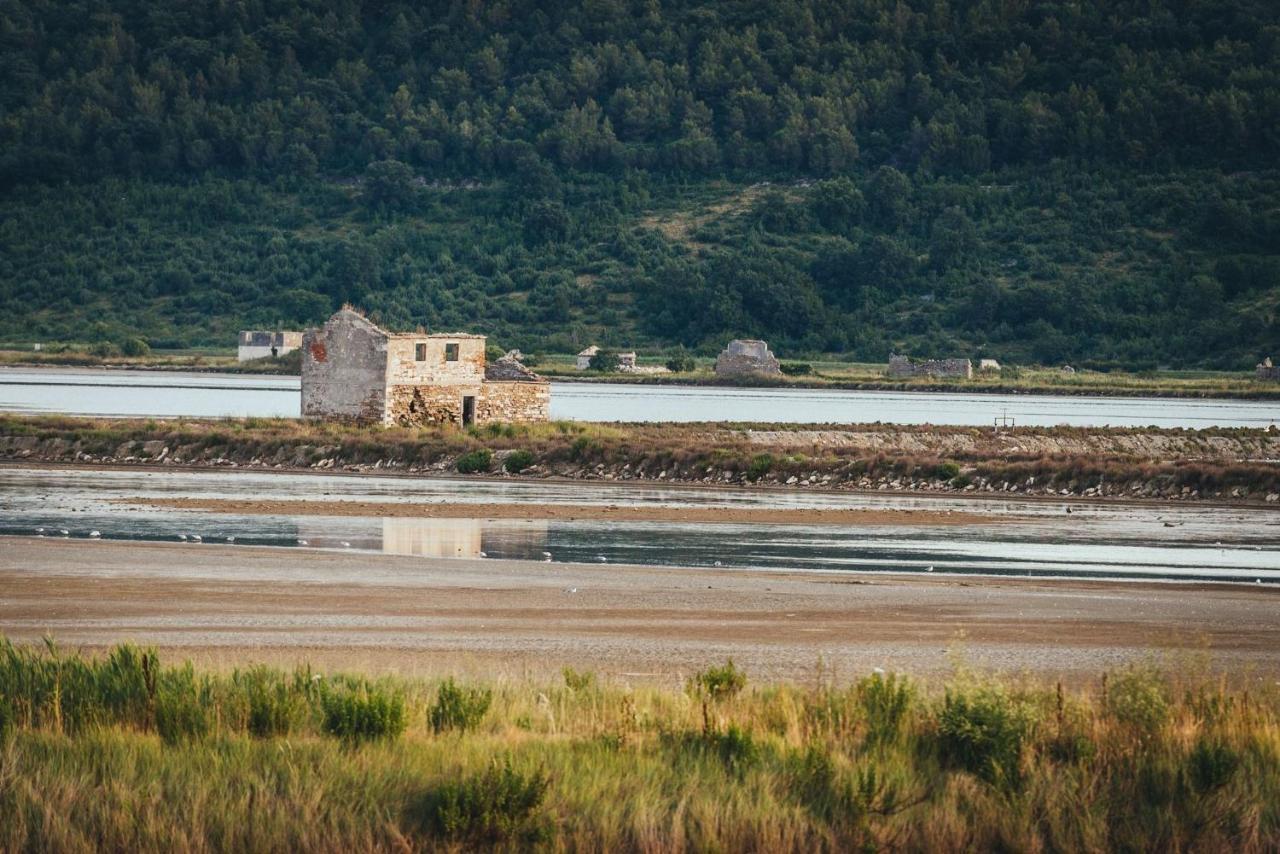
{"x":1148,"y":463}
{"x":126,"y":753}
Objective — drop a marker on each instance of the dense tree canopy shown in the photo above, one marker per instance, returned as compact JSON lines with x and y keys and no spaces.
{"x":1044,"y":180}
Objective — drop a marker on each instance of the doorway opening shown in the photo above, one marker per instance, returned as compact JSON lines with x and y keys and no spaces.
{"x":468,"y":411}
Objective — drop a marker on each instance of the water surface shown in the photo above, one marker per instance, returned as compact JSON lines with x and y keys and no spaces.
{"x":163,"y":394}
{"x":1103,"y":540}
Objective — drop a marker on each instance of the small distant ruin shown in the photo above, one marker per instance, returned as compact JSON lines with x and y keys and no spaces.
{"x":626,"y":361}
{"x":255,"y":344}
{"x":747,"y":357}
{"x":901,"y":366}
{"x":1267,"y":371}
{"x":353,"y":370}
{"x":988,"y":366}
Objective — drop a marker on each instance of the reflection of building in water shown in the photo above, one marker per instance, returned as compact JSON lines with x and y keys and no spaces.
{"x":432,"y":537}
{"x":504,"y":538}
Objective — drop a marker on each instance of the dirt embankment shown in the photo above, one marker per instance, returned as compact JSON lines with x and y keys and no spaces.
{"x":1164,"y":464}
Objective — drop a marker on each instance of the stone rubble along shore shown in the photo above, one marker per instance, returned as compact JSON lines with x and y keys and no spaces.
{"x":308,"y":457}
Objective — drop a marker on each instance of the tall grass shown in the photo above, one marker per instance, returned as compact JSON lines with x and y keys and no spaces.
{"x":122,"y":752}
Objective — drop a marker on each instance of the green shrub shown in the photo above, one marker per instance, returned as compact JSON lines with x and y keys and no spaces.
{"x":475,"y":461}
{"x":105,"y":350}
{"x":8,"y":722}
{"x":135,"y":347}
{"x":183,"y":706}
{"x":1212,"y":764}
{"x":273,"y":705}
{"x":501,"y":805}
{"x":681,"y":364}
{"x":363,"y":713}
{"x":721,"y":683}
{"x":458,"y":707}
{"x":885,"y":701}
{"x":518,"y":461}
{"x":983,"y":732}
{"x":735,"y":748}
{"x":605,"y":361}
{"x":760,"y":466}
{"x":947,"y":471}
{"x":843,"y":801}
{"x":576,"y":681}
{"x":796,"y":369}
{"x":1138,"y":699}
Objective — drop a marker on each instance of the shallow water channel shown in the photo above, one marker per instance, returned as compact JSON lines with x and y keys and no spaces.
{"x":1027,"y":538}
{"x":164,"y":394}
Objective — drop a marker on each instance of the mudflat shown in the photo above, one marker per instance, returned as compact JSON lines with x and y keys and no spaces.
{"x":574,"y":512}
{"x":227,"y":606}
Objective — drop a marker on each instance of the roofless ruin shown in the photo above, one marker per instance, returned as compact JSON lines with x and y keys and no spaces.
{"x":354,"y":370}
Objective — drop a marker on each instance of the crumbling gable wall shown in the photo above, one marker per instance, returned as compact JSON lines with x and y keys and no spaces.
{"x":344,"y":369}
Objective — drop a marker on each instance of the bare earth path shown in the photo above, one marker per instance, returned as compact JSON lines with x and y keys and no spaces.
{"x":229,"y":605}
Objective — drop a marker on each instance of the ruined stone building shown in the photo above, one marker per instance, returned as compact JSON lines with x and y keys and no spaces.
{"x":626,"y":361}
{"x":354,"y":370}
{"x":901,"y":366}
{"x":260,"y":345}
{"x":1267,"y":371}
{"x":747,"y":357}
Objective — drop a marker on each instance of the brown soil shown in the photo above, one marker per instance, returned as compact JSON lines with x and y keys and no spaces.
{"x":575,"y":512}
{"x":230,"y":605}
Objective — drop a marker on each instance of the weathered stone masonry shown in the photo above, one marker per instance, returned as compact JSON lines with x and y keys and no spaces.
{"x":354,"y":370}
{"x":901,"y":366}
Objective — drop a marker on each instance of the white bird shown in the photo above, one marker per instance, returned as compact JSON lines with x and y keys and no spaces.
{"x":64,"y":532}
{"x":182,"y":536}
{"x":571,"y":590}
{"x":546,"y":557}
{"x":930,"y":569}
{"x":602,"y":559}
{"x":39,"y":530}
{"x":196,"y":538}
{"x":231,"y":539}
{"x":302,"y":542}
{"x":482,"y":554}
{"x":93,"y":535}
{"x":718,"y":563}
{"x":345,"y":544}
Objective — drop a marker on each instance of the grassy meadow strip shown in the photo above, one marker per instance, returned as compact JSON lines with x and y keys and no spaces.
{"x":125,"y":752}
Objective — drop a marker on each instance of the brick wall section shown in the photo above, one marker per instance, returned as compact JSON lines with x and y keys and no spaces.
{"x":344,"y":370}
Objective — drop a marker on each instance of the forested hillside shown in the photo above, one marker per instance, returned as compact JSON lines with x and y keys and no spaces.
{"x":1036,"y":181}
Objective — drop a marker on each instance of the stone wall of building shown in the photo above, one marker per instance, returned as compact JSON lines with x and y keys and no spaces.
{"x":344,"y":370}
{"x":901,"y":366}
{"x":515,"y":401}
{"x":747,"y":358}
{"x":1266,"y":371}
{"x":404,"y":367}
{"x":421,"y":405}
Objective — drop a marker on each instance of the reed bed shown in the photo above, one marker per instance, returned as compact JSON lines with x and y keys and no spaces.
{"x":125,"y":752}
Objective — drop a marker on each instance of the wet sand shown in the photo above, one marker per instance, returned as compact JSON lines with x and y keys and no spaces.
{"x":227,"y":606}
{"x":576,"y":512}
